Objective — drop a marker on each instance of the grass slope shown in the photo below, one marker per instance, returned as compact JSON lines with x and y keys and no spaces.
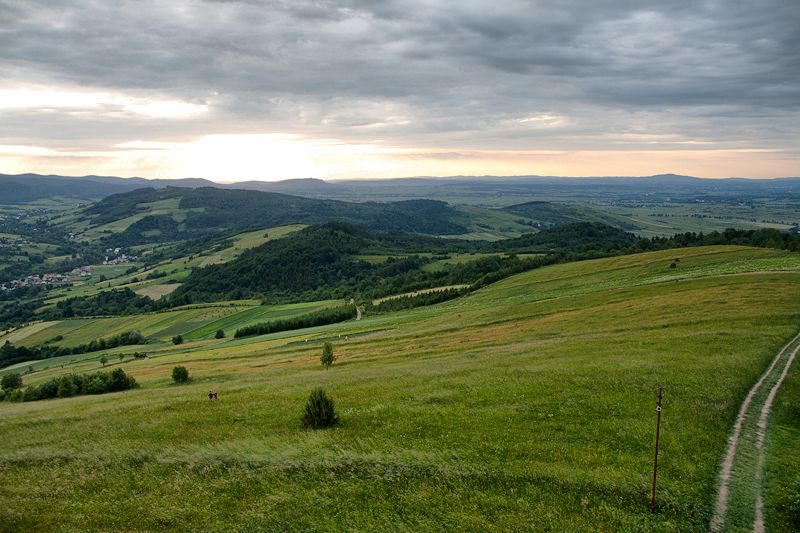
{"x":192,"y":322}
{"x":528,"y":405}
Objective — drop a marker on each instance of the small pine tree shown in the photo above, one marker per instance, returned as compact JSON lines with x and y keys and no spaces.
{"x":319,"y":411}
{"x":177,"y":339}
{"x":327,"y":358}
{"x":220,"y":334}
{"x":180,"y":374}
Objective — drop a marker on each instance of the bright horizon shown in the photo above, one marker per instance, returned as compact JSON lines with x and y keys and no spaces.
{"x":231,"y":91}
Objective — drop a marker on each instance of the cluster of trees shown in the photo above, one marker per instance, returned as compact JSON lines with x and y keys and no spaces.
{"x":308,"y":320}
{"x":72,"y":385}
{"x":762,"y":238}
{"x":10,"y":354}
{"x":114,"y":302}
{"x":569,"y":238}
{"x":416,"y":300}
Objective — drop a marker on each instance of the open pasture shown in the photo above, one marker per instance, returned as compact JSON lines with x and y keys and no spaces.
{"x":528,"y":405}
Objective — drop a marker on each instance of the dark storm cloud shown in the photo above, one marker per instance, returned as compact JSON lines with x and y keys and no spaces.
{"x":437,"y":73}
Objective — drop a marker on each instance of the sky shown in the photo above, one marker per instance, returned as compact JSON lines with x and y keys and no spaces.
{"x":239,"y":90}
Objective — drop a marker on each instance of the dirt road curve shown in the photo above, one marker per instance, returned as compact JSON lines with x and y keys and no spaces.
{"x":740,"y":477}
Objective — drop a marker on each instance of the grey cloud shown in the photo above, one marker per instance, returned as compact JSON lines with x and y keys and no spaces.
{"x":459,"y":74}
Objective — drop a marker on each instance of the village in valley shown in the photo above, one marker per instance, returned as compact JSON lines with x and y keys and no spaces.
{"x":113,"y":256}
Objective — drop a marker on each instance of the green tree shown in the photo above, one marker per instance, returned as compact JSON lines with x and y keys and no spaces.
{"x":11,"y":382}
{"x":66,"y":387}
{"x":121,"y":357}
{"x":103,"y":360}
{"x":180,"y":374}
{"x":177,"y":339}
{"x":319,"y":411}
{"x":327,"y":358}
{"x":220,"y":334}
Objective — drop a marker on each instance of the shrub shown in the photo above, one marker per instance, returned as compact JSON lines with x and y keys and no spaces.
{"x":66,"y":387}
{"x":177,"y":339}
{"x":220,"y":334}
{"x":319,"y":411}
{"x":180,"y":374}
{"x":11,"y":382}
{"x":30,"y":394}
{"x":327,"y":358}
{"x":119,"y":381}
{"x":14,"y":395}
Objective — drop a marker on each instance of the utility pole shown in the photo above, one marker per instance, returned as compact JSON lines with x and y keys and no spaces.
{"x":655,"y":461}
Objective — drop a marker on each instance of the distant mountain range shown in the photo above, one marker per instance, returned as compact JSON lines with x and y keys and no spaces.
{"x":22,"y":188}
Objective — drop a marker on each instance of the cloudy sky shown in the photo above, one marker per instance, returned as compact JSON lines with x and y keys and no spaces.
{"x":234,"y":90}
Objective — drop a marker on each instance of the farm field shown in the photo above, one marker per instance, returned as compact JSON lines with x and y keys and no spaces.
{"x":528,"y":405}
{"x":192,"y":322}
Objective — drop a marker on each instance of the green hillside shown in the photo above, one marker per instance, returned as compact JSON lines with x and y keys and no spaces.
{"x":162,"y":215}
{"x":527,"y":405}
{"x":548,"y":214}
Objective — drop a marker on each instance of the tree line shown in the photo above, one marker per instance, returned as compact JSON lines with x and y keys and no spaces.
{"x":10,"y":354}
{"x":308,"y":320}
{"x":69,"y":385}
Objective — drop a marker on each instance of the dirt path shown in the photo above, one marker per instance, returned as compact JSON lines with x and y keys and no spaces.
{"x":741,"y":473}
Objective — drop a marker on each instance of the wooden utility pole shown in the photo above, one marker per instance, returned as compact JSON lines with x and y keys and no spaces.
{"x":655,"y":461}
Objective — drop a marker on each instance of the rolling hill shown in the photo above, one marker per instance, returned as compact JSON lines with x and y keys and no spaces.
{"x":550,"y":214}
{"x":205,"y":211}
{"x":529,"y":404}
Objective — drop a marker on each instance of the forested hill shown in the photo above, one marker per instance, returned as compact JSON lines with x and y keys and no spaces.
{"x":330,"y":261}
{"x":575,"y":237}
{"x":319,"y":261}
{"x":203,"y":211}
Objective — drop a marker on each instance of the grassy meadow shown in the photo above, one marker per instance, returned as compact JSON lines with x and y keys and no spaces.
{"x":528,"y":405}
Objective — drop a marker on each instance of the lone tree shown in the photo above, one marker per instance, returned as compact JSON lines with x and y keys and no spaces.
{"x":319,"y":412}
{"x":11,"y":382}
{"x":180,"y":374}
{"x":177,"y":339}
{"x":220,"y":334}
{"x":327,"y":358}
{"x":103,"y":360}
